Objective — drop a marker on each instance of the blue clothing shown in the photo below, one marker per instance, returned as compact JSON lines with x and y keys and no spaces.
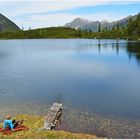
{"x":8,"y":123}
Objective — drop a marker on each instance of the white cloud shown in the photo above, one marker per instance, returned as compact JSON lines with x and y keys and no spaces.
{"x":24,"y":7}
{"x":38,"y":6}
{"x":36,"y":21}
{"x":28,"y":13}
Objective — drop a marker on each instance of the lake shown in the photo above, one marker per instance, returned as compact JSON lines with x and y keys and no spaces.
{"x":95,"y":76}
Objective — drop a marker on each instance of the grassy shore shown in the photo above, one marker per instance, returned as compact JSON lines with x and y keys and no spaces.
{"x":36,"y":122}
{"x":66,"y":33}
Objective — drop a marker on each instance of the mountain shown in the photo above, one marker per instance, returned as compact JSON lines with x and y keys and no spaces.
{"x":77,"y":23}
{"x":124,"y":22}
{"x":85,"y":24}
{"x":7,"y":25}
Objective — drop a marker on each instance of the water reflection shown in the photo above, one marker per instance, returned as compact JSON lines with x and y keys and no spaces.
{"x":91,"y":74}
{"x":132,"y":48}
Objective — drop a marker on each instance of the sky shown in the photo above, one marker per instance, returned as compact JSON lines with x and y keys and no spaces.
{"x":40,"y":14}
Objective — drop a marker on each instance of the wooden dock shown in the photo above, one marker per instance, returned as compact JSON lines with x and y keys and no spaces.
{"x":53,"y":116}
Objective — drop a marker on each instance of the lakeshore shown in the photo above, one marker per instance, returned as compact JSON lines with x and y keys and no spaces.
{"x":84,"y":55}
{"x":34,"y":123}
{"x":76,"y":121}
{"x":88,"y":76}
{"x":67,"y":33}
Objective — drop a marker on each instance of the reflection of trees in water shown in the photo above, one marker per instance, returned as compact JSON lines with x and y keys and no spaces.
{"x":133,"y":50}
{"x":117,"y":46}
{"x":105,"y":45}
{"x":99,"y":46}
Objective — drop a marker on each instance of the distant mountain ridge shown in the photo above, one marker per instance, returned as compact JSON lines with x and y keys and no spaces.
{"x":7,"y":25}
{"x":85,"y":24}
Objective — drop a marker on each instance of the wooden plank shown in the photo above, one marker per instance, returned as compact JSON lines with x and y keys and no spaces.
{"x":52,"y":116}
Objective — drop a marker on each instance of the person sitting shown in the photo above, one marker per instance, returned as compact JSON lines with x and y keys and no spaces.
{"x":11,"y":124}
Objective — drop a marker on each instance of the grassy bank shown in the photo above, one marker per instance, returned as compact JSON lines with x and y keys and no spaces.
{"x":36,"y":122}
{"x":65,"y":33}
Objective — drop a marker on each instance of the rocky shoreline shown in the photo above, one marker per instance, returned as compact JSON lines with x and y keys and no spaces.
{"x":74,"y":120}
{"x":101,"y":126}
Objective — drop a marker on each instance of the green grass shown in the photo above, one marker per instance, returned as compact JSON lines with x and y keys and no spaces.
{"x":36,"y":122}
{"x":65,"y":32}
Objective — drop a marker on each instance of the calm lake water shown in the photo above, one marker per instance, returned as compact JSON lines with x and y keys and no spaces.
{"x":100,"y":76}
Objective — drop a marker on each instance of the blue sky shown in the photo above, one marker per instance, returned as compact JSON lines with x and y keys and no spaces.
{"x":48,"y":13}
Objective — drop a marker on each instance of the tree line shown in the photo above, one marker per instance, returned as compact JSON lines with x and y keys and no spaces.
{"x":131,"y":31}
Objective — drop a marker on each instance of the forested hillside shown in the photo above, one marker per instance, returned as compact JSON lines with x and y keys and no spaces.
{"x":130,"y":31}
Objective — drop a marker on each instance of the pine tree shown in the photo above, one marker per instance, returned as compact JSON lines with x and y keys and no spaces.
{"x":129,"y":27}
{"x":118,"y":26}
{"x":99,"y":27}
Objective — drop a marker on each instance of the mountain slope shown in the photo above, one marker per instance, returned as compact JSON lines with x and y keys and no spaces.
{"x":7,"y":25}
{"x":77,"y":23}
{"x":84,"y":24}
